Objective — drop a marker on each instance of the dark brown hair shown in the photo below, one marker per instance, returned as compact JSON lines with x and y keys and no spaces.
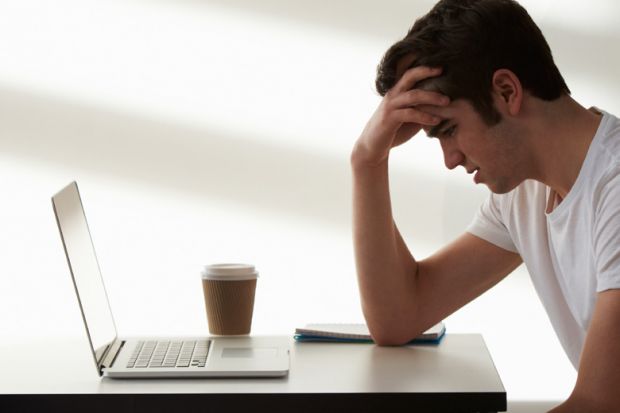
{"x":470,"y":40}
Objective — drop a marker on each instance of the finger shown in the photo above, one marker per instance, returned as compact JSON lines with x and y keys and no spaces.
{"x":411,"y":115}
{"x":413,"y":76}
{"x":433,"y":110}
{"x":417,"y":97}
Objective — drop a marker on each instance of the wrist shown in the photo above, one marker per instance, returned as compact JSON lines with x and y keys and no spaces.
{"x":361,"y":159}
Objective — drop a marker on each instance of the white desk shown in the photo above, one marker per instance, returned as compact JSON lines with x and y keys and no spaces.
{"x":457,"y":375}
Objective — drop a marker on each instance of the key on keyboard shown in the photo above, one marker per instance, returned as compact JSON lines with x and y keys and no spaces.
{"x":157,"y":354}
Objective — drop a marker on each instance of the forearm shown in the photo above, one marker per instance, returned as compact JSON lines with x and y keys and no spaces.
{"x":386,"y":270}
{"x":598,"y":379}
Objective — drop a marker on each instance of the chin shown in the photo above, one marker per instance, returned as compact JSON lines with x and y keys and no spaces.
{"x":502,"y":186}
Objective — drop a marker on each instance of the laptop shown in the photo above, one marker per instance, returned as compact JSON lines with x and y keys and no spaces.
{"x":162,"y":357}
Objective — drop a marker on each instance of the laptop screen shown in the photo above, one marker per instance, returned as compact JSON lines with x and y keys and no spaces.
{"x":84,"y":269}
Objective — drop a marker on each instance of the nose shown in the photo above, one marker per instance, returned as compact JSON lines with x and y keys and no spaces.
{"x":452,"y":156}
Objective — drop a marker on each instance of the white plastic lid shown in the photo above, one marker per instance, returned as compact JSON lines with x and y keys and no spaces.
{"x":229,"y":272}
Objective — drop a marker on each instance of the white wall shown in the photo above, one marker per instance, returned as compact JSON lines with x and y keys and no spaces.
{"x":205,"y":131}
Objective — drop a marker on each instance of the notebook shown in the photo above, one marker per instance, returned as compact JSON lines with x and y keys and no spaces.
{"x":151,"y":357}
{"x":358,"y":333}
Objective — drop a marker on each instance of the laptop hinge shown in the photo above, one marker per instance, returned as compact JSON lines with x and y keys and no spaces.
{"x":110,"y":354}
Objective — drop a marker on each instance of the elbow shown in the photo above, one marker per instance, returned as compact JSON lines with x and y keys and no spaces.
{"x":387,"y":331}
{"x":388,"y":342}
{"x":389,"y":338}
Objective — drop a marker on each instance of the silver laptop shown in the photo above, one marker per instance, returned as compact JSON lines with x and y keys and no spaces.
{"x":245,"y":356}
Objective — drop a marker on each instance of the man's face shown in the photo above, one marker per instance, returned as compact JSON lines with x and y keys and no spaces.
{"x":492,"y":153}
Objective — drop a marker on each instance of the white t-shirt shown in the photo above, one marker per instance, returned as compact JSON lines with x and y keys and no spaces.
{"x":573,"y":252}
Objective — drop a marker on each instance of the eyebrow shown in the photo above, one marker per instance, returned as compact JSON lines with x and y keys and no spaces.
{"x":434,"y":131}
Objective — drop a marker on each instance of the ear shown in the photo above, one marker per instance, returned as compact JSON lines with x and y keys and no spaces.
{"x":508,"y":91}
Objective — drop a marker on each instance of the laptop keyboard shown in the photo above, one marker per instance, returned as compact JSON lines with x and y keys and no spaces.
{"x":158,"y":354}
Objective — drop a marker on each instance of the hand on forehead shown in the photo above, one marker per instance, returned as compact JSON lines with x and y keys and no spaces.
{"x":428,"y":79}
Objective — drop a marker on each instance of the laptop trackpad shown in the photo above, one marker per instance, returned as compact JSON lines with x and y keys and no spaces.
{"x":249,"y":352}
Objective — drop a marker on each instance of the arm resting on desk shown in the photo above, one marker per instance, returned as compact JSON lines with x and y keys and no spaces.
{"x":598,"y":381}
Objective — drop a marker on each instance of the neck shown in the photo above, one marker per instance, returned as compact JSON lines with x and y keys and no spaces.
{"x":561,"y":133}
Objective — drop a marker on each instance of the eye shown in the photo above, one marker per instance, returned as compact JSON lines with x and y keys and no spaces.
{"x":448,"y":132}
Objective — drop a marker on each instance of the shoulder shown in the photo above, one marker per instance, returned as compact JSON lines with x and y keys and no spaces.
{"x":602,"y":169}
{"x":606,"y":190}
{"x":607,"y":141}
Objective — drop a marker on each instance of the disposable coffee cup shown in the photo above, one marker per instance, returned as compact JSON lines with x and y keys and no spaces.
{"x":229,"y":291}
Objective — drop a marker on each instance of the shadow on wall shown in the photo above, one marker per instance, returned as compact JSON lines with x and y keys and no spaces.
{"x":391,"y":19}
{"x":198,"y":162}
{"x":285,"y":180}
{"x":574,"y":54}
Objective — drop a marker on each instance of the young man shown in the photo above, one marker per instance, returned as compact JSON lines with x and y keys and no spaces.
{"x":479,"y":76}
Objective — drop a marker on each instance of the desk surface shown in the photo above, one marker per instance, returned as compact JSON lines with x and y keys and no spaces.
{"x":458,"y":372}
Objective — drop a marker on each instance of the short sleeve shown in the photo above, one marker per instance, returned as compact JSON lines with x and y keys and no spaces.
{"x":488,"y":224}
{"x":606,"y":235}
